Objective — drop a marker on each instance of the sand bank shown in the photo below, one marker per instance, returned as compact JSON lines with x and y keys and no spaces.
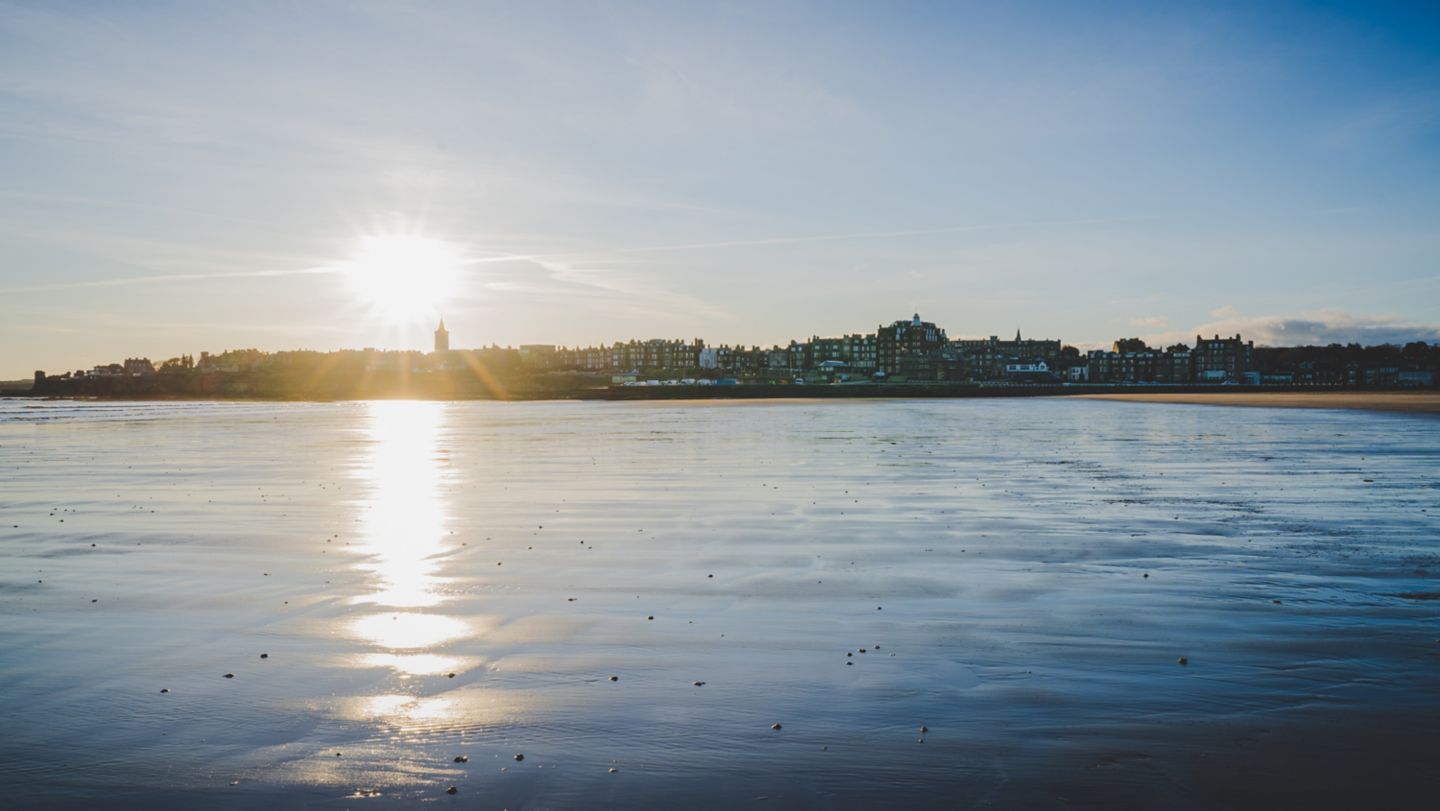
{"x":1414,"y":402}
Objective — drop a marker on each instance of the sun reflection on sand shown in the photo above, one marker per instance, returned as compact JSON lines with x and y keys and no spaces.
{"x":403,"y":526}
{"x":403,"y":520}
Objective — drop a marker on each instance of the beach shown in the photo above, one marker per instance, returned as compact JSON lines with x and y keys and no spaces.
{"x":1411,"y":402}
{"x":1041,"y":602}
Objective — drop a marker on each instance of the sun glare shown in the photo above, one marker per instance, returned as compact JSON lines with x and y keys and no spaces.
{"x":404,"y":278}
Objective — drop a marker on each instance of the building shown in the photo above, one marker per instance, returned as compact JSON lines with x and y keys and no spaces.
{"x":442,"y":338}
{"x":900,"y":347}
{"x":987,"y":358}
{"x":1216,"y":360}
{"x":857,"y":351}
{"x":136,"y":367}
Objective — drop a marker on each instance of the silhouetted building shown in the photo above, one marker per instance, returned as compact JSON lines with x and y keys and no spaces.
{"x":905,"y":346}
{"x":1217,"y":359}
{"x":987,"y":358}
{"x":442,"y":338}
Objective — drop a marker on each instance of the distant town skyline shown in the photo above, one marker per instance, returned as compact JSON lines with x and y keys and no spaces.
{"x":193,"y":178}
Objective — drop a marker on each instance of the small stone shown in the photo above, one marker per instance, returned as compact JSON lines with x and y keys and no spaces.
{"x":1182,"y":661}
{"x":775,"y":726}
{"x":452,"y":790}
{"x":519,"y":756}
{"x":462,"y":759}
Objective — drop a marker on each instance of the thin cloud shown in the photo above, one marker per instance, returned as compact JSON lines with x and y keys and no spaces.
{"x":1316,"y":328}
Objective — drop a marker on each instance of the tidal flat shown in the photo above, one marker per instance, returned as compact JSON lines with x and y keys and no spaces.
{"x":941,"y":604}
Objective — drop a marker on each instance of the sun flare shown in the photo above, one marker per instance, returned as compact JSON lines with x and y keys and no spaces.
{"x":404,"y":278}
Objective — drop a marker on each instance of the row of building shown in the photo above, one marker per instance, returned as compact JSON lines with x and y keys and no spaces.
{"x":911,"y":350}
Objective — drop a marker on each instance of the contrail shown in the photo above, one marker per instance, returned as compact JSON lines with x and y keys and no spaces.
{"x":541,"y":257}
{"x":173,"y":277}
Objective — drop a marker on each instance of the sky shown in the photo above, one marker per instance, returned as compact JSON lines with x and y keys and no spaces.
{"x":179,"y":177}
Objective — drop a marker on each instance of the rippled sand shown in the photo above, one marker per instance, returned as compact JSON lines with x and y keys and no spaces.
{"x":1023,"y":577}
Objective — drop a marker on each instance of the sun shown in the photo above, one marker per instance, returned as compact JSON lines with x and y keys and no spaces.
{"x":404,"y":278}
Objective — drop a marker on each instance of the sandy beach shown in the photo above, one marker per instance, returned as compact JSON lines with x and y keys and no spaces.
{"x":1413,"y":402}
{"x":943,"y":604}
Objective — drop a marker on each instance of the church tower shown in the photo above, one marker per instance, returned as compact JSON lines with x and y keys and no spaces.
{"x":442,"y":338}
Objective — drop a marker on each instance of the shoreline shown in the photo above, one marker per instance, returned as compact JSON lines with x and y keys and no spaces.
{"x":1403,"y":402}
{"x":1411,"y":401}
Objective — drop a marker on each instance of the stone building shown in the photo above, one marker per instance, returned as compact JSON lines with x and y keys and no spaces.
{"x":905,"y":344}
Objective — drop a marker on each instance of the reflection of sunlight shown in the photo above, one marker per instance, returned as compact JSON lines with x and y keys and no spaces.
{"x":453,"y":713}
{"x":404,"y":518}
{"x":407,"y":631}
{"x":416,"y":664}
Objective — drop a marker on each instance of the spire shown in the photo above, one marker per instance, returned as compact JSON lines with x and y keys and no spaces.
{"x":1017,"y":335}
{"x":441,"y":328}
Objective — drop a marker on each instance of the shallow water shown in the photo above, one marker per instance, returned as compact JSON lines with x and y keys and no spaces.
{"x":1023,"y":576}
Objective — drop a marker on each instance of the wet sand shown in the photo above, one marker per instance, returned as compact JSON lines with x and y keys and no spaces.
{"x":394,"y":585}
{"x":1413,"y":402}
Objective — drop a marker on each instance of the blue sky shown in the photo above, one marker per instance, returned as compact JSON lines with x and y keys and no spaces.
{"x":177,"y":177}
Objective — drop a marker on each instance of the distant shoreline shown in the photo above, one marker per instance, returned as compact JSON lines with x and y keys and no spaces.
{"x":1391,"y":400}
{"x":1408,"y":402}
